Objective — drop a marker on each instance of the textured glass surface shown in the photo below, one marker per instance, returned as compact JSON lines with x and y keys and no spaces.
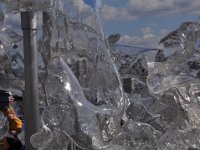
{"x":10,"y":78}
{"x":3,"y":125}
{"x":81,"y":73}
{"x":178,"y":76}
{"x":81,"y":94}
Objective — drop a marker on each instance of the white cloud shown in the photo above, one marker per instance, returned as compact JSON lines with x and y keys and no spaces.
{"x":109,"y":12}
{"x":112,"y":13}
{"x":147,"y":30}
{"x":147,"y":38}
{"x":160,"y":7}
{"x":137,"y":8}
{"x":130,"y":39}
{"x":141,"y":41}
{"x":134,"y":9}
{"x":149,"y":5}
{"x":82,"y":7}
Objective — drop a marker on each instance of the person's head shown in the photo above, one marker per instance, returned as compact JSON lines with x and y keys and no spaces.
{"x":9,"y":112}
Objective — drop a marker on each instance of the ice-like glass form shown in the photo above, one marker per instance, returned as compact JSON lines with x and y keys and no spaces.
{"x":41,"y":140}
{"x":179,"y":71}
{"x":3,"y":125}
{"x":168,"y":72}
{"x":7,"y":36}
{"x":132,"y":61}
{"x":178,"y":76}
{"x":10,"y":78}
{"x":87,"y":80}
{"x":135,"y":135}
{"x":69,"y":87}
{"x":8,"y":40}
{"x":2,"y":120}
{"x":180,"y":139}
{"x":89,"y":92}
{"x":80,"y":72}
{"x":173,"y":80}
{"x":80,"y":82}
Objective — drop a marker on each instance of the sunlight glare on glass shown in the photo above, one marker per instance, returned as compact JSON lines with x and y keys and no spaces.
{"x":68,"y":86}
{"x":80,"y":104}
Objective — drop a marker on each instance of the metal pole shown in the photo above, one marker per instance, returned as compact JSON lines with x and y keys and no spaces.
{"x":31,"y":100}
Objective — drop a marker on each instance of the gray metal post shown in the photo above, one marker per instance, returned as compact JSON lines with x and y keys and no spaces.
{"x":31,"y":102}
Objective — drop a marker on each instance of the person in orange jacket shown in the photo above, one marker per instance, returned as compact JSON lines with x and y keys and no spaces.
{"x":11,"y":142}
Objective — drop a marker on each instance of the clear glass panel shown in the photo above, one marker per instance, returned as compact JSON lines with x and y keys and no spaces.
{"x":83,"y":77}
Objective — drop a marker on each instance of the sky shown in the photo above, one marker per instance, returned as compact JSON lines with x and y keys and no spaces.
{"x":140,"y":22}
{"x":144,"y":22}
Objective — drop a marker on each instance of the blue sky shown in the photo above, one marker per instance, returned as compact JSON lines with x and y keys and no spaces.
{"x":140,"y":22}
{"x":144,"y":22}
